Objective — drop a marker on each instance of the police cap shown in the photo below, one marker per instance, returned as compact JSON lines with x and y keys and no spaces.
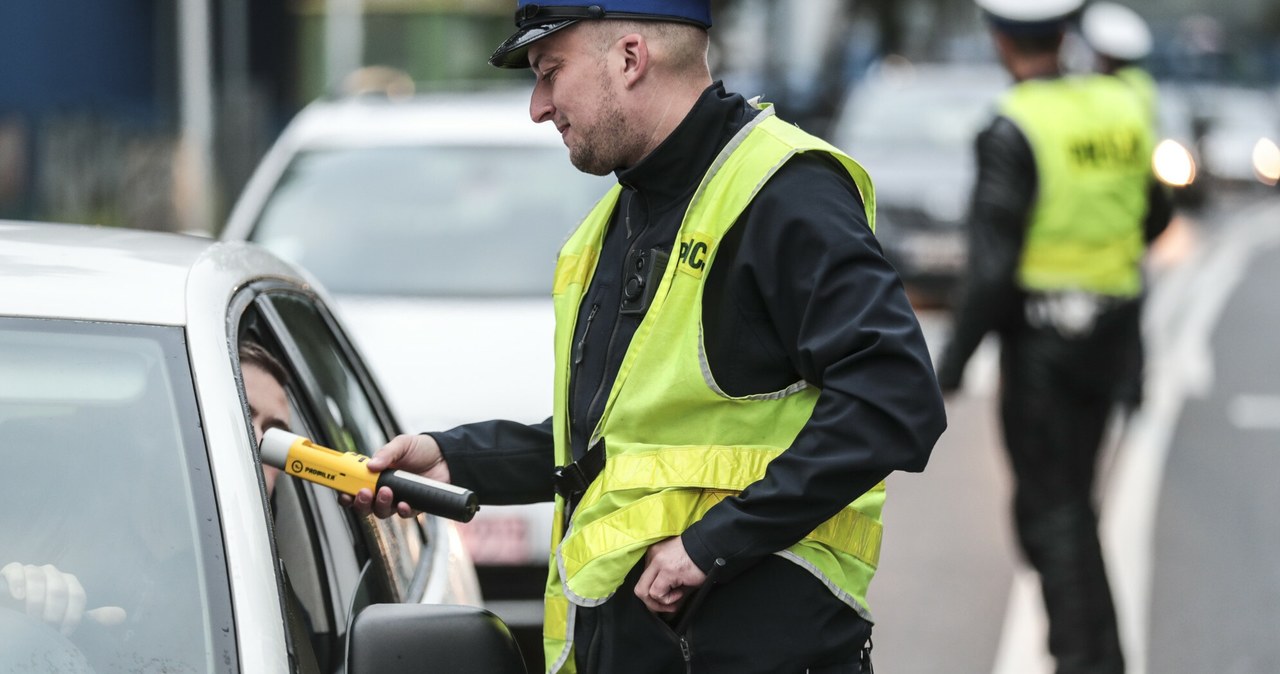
{"x":1029,"y":17}
{"x":535,"y":21}
{"x":1116,"y":31}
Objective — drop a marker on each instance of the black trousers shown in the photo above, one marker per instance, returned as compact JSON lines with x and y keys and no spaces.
{"x":1057,"y":396}
{"x":773,"y":618}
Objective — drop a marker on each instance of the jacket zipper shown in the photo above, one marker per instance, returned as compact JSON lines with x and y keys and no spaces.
{"x":586,"y":330}
{"x":579,"y":350}
{"x":617,"y":318}
{"x":682,"y":640}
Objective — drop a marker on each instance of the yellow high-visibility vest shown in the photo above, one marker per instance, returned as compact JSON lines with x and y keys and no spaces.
{"x":1092,"y":141}
{"x":1142,"y":84}
{"x":676,"y":444}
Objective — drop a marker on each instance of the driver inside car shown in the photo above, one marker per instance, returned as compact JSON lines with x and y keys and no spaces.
{"x":59,"y":599}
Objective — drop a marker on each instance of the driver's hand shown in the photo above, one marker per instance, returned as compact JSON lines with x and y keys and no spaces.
{"x":49,"y":595}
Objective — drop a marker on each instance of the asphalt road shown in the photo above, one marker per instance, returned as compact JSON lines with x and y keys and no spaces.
{"x":947,"y":559}
{"x":1188,"y":521}
{"x":1215,"y":546}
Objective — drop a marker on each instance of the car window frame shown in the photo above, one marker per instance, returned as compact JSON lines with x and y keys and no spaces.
{"x":401,"y":558}
{"x":253,"y":307}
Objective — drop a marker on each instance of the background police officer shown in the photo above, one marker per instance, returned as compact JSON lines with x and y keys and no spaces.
{"x":1120,"y":40}
{"x":1062,"y":210}
{"x":737,"y":368}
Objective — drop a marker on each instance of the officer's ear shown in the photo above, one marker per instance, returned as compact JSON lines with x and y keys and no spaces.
{"x":634,"y":53}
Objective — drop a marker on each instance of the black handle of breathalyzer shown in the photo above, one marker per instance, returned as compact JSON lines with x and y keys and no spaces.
{"x":430,"y":496}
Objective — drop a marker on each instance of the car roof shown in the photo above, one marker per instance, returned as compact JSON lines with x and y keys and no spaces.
{"x":930,"y":74}
{"x":115,"y":274}
{"x":498,"y":117}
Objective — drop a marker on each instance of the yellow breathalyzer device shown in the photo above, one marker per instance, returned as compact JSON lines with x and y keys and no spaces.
{"x":347,"y":473}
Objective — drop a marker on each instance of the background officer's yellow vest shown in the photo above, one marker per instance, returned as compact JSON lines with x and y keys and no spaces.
{"x":1142,"y":84}
{"x":1092,"y":142}
{"x":676,"y":444}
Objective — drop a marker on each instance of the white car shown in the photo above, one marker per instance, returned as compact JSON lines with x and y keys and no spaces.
{"x":1241,"y":133}
{"x":912,"y":127}
{"x":129,"y":462}
{"x":435,"y":221}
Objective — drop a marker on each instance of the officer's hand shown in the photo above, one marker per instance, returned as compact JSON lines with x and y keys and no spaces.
{"x":411,"y":453}
{"x":669,"y":576}
{"x":48,"y":595}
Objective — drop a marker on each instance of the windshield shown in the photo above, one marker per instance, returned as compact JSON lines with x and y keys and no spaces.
{"x":442,"y":221}
{"x":102,"y":461}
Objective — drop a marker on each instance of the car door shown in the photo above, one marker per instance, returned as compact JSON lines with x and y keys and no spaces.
{"x":333,"y":562}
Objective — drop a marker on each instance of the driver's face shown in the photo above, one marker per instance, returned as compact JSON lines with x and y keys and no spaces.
{"x":269,"y":407}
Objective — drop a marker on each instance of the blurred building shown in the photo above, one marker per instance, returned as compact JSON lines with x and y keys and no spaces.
{"x":152,"y":113}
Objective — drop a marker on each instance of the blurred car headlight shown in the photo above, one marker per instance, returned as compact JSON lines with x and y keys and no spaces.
{"x":1173,"y":164}
{"x":1266,"y":161}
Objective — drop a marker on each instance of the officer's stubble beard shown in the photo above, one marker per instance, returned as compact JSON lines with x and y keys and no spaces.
{"x":601,"y":141}
{"x":608,"y":142}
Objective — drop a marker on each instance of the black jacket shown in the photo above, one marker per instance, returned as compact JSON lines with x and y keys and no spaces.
{"x":799,"y":290}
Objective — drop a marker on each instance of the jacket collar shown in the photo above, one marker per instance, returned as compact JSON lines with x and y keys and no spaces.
{"x":675,"y":168}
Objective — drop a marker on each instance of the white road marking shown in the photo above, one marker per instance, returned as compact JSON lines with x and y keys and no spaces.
{"x":1022,"y":640}
{"x":1254,"y":411}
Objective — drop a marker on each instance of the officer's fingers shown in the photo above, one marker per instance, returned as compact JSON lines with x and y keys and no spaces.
{"x":383,"y":502}
{"x":656,"y":588}
{"x":405,"y":510}
{"x":666,"y":591}
{"x":652,"y":604}
{"x":362,"y":502}
{"x":75,"y":605}
{"x":645,"y":582}
{"x":392,"y":454}
{"x":669,"y":602}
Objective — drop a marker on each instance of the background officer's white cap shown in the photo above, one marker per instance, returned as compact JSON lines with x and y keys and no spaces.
{"x":1029,"y":16}
{"x":1116,"y":31}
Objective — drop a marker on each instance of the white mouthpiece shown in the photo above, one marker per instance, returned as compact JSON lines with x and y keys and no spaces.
{"x":275,"y":446}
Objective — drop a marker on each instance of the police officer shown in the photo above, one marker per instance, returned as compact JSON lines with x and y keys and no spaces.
{"x":1120,"y":41}
{"x":738,"y":368}
{"x":1063,"y":207}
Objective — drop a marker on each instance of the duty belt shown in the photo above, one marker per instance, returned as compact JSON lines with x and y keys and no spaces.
{"x":571,"y":481}
{"x":1072,"y":313}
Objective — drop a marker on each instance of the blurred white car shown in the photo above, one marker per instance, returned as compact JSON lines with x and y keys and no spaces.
{"x":1241,"y":133}
{"x":128,"y":459}
{"x":912,"y":126}
{"x":435,"y":220}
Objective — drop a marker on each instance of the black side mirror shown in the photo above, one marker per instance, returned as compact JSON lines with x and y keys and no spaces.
{"x":393,"y":638}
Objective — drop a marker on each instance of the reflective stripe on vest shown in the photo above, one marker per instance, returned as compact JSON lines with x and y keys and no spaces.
{"x":1092,"y":142}
{"x":676,"y":443}
{"x":701,"y":477}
